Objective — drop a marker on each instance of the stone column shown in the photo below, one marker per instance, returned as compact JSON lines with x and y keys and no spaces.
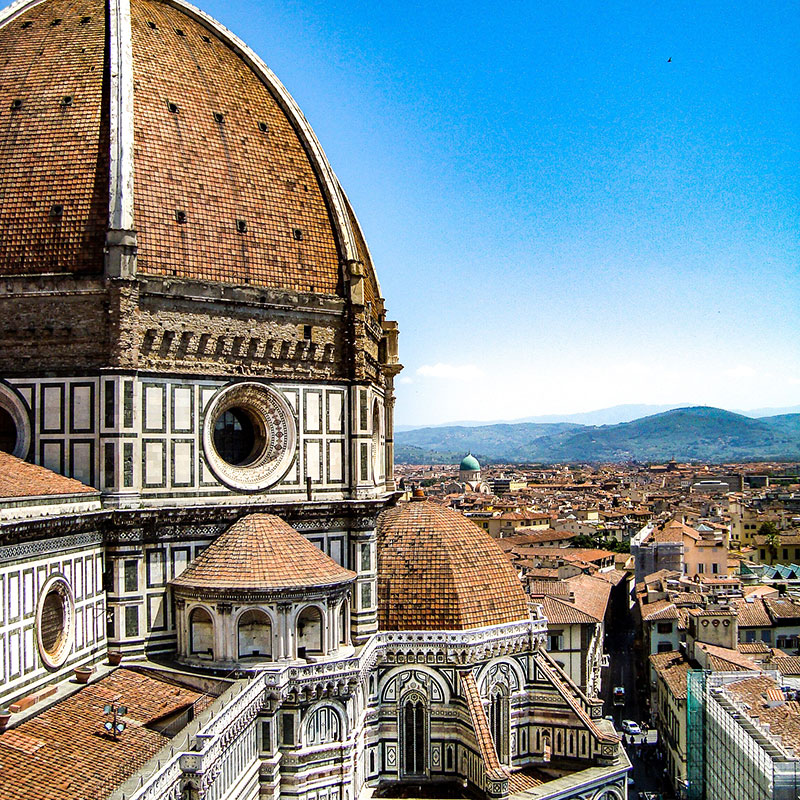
{"x":223,"y":644}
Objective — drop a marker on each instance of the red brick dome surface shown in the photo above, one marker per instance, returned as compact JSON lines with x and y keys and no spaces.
{"x":437,"y":570}
{"x":228,"y":149}
{"x":261,"y":552}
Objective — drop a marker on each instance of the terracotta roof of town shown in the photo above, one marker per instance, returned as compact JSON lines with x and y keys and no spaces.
{"x":64,"y":751}
{"x":782,"y":607}
{"x":683,"y":619}
{"x":687,"y":598}
{"x":519,"y":540}
{"x":754,"y":694}
{"x":787,"y":665}
{"x":261,"y":552}
{"x":584,"y":554}
{"x":555,"y":588}
{"x":759,"y":591}
{"x":752,"y":614}
{"x":613,"y":576}
{"x":723,"y":659}
{"x":659,"y":610}
{"x":662,"y":574}
{"x":753,"y":647}
{"x":560,"y":611}
{"x":673,"y":668}
{"x":437,"y":570}
{"x":20,"y":479}
{"x":591,"y":595}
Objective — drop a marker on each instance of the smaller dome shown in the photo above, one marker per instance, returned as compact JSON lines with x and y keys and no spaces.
{"x":261,"y":552}
{"x":469,"y":464}
{"x":438,"y":571}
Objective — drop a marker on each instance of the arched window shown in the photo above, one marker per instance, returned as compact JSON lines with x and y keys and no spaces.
{"x":413,"y":735}
{"x":255,"y":635}
{"x":323,"y":726}
{"x":377,"y":449}
{"x":499,"y":722}
{"x":309,"y":632}
{"x":201,"y":633}
{"x":344,"y":622}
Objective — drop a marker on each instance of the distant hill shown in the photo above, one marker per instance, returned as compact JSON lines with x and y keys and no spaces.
{"x":699,"y":433}
{"x":628,"y":412}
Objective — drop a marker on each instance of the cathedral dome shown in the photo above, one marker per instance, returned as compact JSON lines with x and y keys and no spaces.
{"x":201,"y":161}
{"x":262,"y":553}
{"x":469,"y":464}
{"x":437,"y":570}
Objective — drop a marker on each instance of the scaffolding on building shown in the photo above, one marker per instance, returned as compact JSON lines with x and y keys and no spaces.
{"x":695,"y":733}
{"x":730,"y":753}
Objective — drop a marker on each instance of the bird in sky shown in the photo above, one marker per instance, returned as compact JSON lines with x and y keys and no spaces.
{"x":669,"y":60}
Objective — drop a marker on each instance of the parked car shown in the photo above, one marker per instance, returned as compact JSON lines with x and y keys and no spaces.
{"x":631,"y":728}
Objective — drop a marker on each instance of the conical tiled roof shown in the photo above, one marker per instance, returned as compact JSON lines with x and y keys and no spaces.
{"x":437,"y":570}
{"x":261,"y":552}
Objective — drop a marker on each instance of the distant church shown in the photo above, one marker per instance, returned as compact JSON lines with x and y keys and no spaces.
{"x":196,"y":460}
{"x":469,"y":478}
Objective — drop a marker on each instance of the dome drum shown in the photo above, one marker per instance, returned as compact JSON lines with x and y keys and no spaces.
{"x":246,"y":631}
{"x":261,"y":592}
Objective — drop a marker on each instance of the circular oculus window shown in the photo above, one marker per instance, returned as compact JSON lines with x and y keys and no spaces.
{"x":15,"y":425}
{"x":249,"y":436}
{"x":55,"y":621}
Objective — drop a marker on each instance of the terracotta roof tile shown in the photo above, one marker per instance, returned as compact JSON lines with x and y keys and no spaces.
{"x":672,"y":667}
{"x":20,"y":479}
{"x":562,"y":612}
{"x":64,"y":751}
{"x":723,"y":659}
{"x":437,"y":570}
{"x":480,"y":726}
{"x":754,"y":695}
{"x":60,"y":152}
{"x":218,"y":172}
{"x":262,"y":552}
{"x":659,"y":610}
{"x":752,"y":614}
{"x":591,"y":595}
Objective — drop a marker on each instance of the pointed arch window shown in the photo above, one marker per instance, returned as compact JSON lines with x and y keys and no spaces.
{"x":499,"y":722}
{"x":414,"y":735}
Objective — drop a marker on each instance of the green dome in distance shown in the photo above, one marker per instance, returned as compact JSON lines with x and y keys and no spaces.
{"x":469,"y":464}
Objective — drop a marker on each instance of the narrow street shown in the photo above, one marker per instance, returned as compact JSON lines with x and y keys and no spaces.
{"x":622,"y":671}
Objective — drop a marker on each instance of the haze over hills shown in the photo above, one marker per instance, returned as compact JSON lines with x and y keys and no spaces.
{"x":698,"y":433}
{"x":612,"y":415}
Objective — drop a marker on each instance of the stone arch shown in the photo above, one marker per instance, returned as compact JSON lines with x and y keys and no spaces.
{"x":201,"y":632}
{"x":505,"y":671}
{"x":310,"y":631}
{"x":608,"y":793}
{"x":254,"y":627}
{"x":429,"y":681}
{"x":324,"y":722}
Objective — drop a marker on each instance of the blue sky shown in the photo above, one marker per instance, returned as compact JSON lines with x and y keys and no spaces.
{"x":562,"y":219}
